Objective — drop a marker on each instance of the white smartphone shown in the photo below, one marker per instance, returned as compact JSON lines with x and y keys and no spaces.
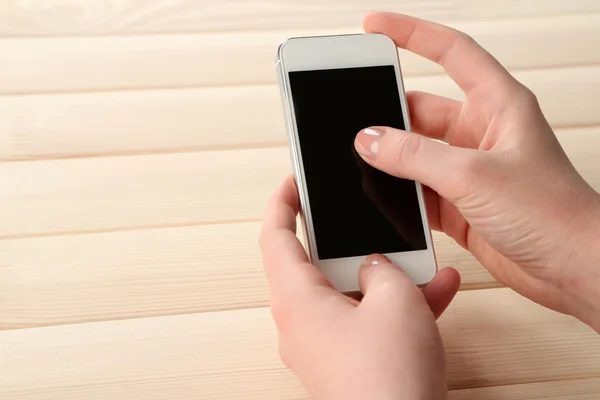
{"x":332,"y":87}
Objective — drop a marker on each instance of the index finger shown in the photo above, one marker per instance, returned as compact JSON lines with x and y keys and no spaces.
{"x":285,"y":261}
{"x":465,"y":61}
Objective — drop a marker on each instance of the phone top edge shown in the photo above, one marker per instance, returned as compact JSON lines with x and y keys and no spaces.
{"x":319,"y":37}
{"x":294,"y":38}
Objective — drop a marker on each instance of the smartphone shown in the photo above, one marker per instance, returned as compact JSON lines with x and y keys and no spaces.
{"x":332,"y":87}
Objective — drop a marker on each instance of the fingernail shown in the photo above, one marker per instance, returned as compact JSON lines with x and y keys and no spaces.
{"x":375,"y":259}
{"x":367,"y":142}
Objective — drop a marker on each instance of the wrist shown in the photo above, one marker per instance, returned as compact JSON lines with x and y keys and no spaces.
{"x":584,"y":287}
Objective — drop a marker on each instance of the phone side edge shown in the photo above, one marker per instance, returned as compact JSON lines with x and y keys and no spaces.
{"x":295,"y":158}
{"x":418,"y":185}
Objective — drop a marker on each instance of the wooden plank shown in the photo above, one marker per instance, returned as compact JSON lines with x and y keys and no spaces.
{"x":118,"y":275}
{"x":145,"y":121}
{"x":234,"y":58}
{"x":493,"y":337}
{"x":98,"y":194}
{"x":19,"y":18}
{"x":576,"y":389}
{"x":496,"y":337}
{"x":138,"y":191}
{"x":71,"y":279}
{"x":75,"y":125}
{"x":285,"y":387}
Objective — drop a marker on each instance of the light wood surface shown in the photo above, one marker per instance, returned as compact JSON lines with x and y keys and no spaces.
{"x":234,"y":58}
{"x":78,"y":195}
{"x":232,"y":354}
{"x":150,"y":272}
{"x":139,"y":142}
{"x":75,"y":125}
{"x":73,"y":17}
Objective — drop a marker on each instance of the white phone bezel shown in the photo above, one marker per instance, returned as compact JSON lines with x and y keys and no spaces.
{"x":346,"y":51}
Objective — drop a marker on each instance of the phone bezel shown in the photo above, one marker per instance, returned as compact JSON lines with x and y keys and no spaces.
{"x":333,"y":52}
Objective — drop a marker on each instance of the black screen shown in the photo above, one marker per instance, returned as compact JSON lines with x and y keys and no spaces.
{"x":356,"y":210}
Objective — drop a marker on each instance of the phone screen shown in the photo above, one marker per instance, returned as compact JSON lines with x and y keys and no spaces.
{"x":356,"y":210}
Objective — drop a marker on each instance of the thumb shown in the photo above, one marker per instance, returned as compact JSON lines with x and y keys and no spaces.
{"x":408,"y":155}
{"x":380,"y":280}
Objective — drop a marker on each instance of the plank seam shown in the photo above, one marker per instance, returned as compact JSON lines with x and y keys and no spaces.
{"x":128,"y":228}
{"x":259,"y":84}
{"x":449,"y":21}
{"x":591,"y":377}
{"x":175,"y":150}
{"x":262,"y":305}
{"x":201,"y":149}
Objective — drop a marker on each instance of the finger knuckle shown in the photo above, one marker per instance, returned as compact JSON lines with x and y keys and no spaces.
{"x":459,"y":39}
{"x":408,"y":147}
{"x":281,"y":315}
{"x":528,"y":97}
{"x":524,"y":98}
{"x":471,"y":172}
{"x":262,"y":239}
{"x":388,"y":279}
{"x":474,"y":166}
{"x":465,"y":39}
{"x":265,"y":236}
{"x":270,"y":240}
{"x":284,"y":353}
{"x":389,"y":286}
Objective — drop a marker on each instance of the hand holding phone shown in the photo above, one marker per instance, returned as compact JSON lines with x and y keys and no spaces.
{"x":501,"y":184}
{"x":386,"y":347}
{"x":507,"y":192}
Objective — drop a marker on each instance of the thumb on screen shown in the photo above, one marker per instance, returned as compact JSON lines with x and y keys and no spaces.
{"x":408,"y":155}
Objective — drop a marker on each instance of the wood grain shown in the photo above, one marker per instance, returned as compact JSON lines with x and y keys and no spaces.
{"x":147,"y":358}
{"x":64,"y":196}
{"x":118,"y":275}
{"x":510,"y":344}
{"x":71,"y":17}
{"x":71,"y":279}
{"x":93,"y":124}
{"x":114,"y":193}
{"x":576,"y":389}
{"x":285,"y":387}
{"x":139,"y":141}
{"x":247,"y":58}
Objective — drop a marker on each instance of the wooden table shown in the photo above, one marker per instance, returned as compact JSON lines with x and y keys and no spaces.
{"x":139,"y":141}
